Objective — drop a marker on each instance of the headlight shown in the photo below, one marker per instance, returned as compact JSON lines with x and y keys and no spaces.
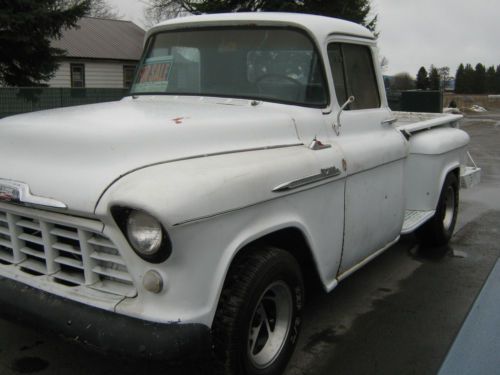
{"x":144,"y":233}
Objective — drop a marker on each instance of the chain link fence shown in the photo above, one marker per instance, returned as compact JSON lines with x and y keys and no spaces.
{"x":14,"y":100}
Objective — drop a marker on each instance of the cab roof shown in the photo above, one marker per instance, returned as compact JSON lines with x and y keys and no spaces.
{"x":319,"y":27}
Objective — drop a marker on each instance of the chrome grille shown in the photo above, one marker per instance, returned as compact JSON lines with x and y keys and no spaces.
{"x":70,"y":255}
{"x":6,"y":252}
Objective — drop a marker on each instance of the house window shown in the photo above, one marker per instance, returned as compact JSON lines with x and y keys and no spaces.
{"x":128,"y":75}
{"x":77,"y":75}
{"x":354,"y":74}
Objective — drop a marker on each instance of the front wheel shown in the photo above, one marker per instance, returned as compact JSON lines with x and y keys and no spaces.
{"x":258,"y":317}
{"x":438,"y":230}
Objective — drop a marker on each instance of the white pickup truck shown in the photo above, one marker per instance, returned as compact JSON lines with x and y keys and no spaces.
{"x":255,"y":152}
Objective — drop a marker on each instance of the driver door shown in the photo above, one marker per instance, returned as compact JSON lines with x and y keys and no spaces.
{"x":375,"y":154}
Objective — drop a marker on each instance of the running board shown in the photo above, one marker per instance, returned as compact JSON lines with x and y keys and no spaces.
{"x":414,"y":219}
{"x":356,"y":267}
{"x":470,"y":175}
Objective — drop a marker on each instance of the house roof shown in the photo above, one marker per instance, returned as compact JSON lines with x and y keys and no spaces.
{"x":98,"y":38}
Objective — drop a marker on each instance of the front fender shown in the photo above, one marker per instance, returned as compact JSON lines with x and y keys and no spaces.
{"x":213,"y":207}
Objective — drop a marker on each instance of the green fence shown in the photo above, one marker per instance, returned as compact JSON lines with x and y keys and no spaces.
{"x":21,"y":100}
{"x":394,"y":100}
{"x":416,"y":101}
{"x":422,"y":101}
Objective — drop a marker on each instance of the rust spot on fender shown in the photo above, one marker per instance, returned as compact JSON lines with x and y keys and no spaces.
{"x":179,"y":120}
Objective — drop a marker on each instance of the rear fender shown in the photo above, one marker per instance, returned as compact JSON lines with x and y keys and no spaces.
{"x":433,"y":155}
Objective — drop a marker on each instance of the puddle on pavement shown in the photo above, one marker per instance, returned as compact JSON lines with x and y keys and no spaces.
{"x":29,"y":365}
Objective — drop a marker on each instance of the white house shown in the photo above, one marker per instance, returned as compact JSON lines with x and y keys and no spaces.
{"x":101,"y":53}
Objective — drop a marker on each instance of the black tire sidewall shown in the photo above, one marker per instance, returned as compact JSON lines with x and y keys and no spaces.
{"x":445,"y":233}
{"x":283,"y":268}
{"x":433,"y":233}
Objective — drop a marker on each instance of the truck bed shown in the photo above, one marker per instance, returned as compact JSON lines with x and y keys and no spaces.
{"x":411,"y":122}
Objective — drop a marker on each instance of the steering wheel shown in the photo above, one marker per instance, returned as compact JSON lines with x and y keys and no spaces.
{"x":274,"y":76}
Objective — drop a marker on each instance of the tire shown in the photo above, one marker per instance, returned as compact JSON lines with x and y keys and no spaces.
{"x":257,"y":322}
{"x":438,"y":230}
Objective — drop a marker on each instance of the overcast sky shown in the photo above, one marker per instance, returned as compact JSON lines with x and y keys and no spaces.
{"x":416,"y":33}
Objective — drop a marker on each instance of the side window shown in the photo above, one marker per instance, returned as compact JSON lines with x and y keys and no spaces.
{"x":337,"y":67}
{"x":77,"y":75}
{"x":354,"y":74}
{"x":128,"y":75}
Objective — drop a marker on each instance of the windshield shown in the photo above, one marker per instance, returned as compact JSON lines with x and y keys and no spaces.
{"x":272,"y":64}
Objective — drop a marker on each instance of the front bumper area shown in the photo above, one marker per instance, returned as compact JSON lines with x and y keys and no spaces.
{"x":100,"y":329}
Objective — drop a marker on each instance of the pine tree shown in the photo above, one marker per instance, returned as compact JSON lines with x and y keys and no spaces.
{"x":97,"y":9}
{"x":444,"y":76}
{"x":358,"y":11}
{"x":26,"y":57}
{"x":480,"y":79}
{"x":497,"y":80}
{"x":422,"y":79}
{"x":459,"y":79}
{"x":434,"y":78}
{"x":469,"y":77}
{"x":490,"y":80}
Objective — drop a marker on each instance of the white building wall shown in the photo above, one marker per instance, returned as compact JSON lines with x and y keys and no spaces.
{"x":62,"y":77}
{"x":108,"y":75}
{"x":97,"y":74}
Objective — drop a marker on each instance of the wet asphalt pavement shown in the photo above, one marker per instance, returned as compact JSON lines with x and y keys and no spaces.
{"x":398,"y":315}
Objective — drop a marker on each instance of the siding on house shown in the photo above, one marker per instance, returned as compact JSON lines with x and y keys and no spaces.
{"x":98,"y":74}
{"x":62,"y":77}
{"x":104,"y":75}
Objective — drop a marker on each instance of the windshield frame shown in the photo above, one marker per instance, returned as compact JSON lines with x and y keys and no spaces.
{"x":320,"y":61}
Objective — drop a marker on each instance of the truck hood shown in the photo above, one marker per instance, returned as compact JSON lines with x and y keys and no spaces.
{"x":73,"y":154}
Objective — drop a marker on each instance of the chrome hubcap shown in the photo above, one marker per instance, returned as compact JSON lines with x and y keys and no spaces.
{"x":270,"y":325}
{"x":449,"y":208}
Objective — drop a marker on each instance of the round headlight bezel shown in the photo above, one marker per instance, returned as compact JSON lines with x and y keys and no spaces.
{"x":159,"y":251}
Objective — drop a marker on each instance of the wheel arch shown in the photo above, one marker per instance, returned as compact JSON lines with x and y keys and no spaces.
{"x":293,"y":240}
{"x":437,"y":232}
{"x":454,"y":168}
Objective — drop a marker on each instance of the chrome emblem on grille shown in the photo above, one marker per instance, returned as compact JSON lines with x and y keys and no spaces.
{"x":19,"y":192}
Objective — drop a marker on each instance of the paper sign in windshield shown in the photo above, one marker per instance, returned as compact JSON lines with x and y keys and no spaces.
{"x":153,"y":75}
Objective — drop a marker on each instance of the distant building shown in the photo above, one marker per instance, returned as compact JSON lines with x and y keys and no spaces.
{"x":101,"y":53}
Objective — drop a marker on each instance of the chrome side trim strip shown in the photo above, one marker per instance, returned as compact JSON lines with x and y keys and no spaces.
{"x":295,"y":184}
{"x":289,"y":193}
{"x":275,"y":197}
{"x":19,"y":192}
